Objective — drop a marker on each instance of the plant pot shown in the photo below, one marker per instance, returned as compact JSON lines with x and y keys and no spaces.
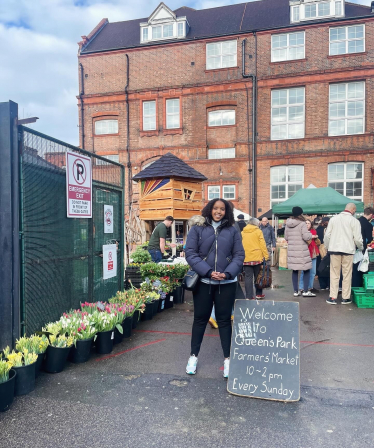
{"x":25,"y":379}
{"x":127,"y":327}
{"x":56,"y":358}
{"x":7,"y":391}
{"x":148,"y":312}
{"x":155,"y":306}
{"x":161,"y":305}
{"x":118,"y":337}
{"x":104,"y":342}
{"x":135,"y":319}
{"x":178,"y":294}
{"x":81,"y":351}
{"x":169,"y":301}
{"x":39,"y":363}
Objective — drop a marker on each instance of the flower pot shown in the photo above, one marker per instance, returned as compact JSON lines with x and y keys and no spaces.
{"x":118,"y":337}
{"x":39,"y":363}
{"x":135,"y":319}
{"x":155,"y":306}
{"x":25,"y":379}
{"x":56,"y":358}
{"x":148,"y":312}
{"x":81,"y":351}
{"x":178,"y":294}
{"x":7,"y":391}
{"x":127,"y":327}
{"x":104,"y":342}
{"x":161,"y":305}
{"x":169,"y":301}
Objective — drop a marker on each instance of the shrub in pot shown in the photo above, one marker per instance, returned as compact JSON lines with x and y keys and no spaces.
{"x":7,"y":383}
{"x":34,"y":344}
{"x":120,"y":314}
{"x":150,"y":298}
{"x":57,"y":352}
{"x":24,"y":365}
{"x":105,"y":323}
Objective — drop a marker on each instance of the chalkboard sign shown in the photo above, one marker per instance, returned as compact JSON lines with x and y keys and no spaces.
{"x":265,"y":350}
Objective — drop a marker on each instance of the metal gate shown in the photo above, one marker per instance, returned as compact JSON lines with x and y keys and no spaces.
{"x":61,"y":258}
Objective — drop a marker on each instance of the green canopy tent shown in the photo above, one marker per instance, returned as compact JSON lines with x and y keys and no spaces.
{"x":316,"y":201}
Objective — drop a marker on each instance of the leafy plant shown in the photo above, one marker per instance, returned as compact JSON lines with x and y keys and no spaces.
{"x":34,"y":344}
{"x":61,"y":341}
{"x":20,"y":359}
{"x":5,"y":366}
{"x":53,"y":328}
{"x":141,"y":256}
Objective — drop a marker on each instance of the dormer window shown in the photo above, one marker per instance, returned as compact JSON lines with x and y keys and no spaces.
{"x":301,"y":10}
{"x":163,"y":24}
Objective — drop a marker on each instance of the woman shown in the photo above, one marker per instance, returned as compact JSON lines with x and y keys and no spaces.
{"x":255,"y":252}
{"x":214,"y":250}
{"x":298,"y":256}
{"x":314,"y":252}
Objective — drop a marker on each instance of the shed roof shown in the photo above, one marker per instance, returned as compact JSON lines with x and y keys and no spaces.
{"x":169,"y":166}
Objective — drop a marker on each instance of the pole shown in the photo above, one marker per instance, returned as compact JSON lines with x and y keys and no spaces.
{"x":173,"y":238}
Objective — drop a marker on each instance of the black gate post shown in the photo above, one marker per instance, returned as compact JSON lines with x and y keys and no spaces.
{"x":9,"y":226}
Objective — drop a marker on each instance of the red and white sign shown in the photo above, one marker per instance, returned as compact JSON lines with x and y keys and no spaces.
{"x":109,"y":261}
{"x":78,"y":186}
{"x":108,"y":218}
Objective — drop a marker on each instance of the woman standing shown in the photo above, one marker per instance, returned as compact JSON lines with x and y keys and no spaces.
{"x":214,"y":250}
{"x":298,"y":256}
{"x":314,"y":252}
{"x":255,"y":252}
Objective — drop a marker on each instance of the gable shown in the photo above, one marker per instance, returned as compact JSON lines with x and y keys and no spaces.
{"x":162,"y":12}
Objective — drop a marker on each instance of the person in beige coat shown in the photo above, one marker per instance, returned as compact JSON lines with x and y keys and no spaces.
{"x":298,"y":256}
{"x":342,"y":236}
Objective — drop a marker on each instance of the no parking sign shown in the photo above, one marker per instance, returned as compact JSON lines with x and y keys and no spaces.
{"x":109,"y":261}
{"x":78,"y":186}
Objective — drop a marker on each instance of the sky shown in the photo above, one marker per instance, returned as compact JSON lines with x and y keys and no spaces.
{"x":38,"y":52}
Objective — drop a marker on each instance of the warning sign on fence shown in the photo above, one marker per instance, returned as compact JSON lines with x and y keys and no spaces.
{"x":108,"y":218}
{"x":78,"y":186}
{"x":109,"y":261}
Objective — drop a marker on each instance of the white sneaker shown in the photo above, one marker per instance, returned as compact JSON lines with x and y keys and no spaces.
{"x":296,"y":294}
{"x":191,"y":365}
{"x":226,"y":367}
{"x":308,"y":294}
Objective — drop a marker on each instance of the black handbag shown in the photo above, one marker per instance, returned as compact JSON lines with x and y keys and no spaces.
{"x":191,"y":279}
{"x":324,"y":267}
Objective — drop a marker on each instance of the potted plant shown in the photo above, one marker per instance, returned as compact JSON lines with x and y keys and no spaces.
{"x":105,"y":322}
{"x":34,"y":344}
{"x":151,"y":305}
{"x":57,"y":352}
{"x":134,"y":300}
{"x":7,"y":384}
{"x":24,"y":365}
{"x":120,"y":314}
{"x":82,"y":329}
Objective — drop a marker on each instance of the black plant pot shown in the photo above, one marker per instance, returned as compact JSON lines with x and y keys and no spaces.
{"x":56,"y":358}
{"x":169,"y":301}
{"x":127,"y":327}
{"x":7,"y":391}
{"x":155,"y":306}
{"x":161,"y":305}
{"x":135,"y":319}
{"x":81,"y":351}
{"x":118,"y":337}
{"x":148,"y":312}
{"x":38,"y":364}
{"x":178,"y":294}
{"x":104,"y":342}
{"x":25,"y":379}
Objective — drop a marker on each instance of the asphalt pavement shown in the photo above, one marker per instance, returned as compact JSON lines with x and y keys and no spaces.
{"x":140,"y":396}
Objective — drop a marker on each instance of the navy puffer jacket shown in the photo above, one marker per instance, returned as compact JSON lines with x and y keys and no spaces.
{"x":230,"y":252}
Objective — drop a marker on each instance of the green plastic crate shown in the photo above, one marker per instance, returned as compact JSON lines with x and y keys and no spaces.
{"x":369,"y":280}
{"x":362,"y":298}
{"x":371,"y":255}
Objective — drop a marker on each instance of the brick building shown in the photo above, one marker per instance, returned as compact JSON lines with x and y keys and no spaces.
{"x":262,"y":97}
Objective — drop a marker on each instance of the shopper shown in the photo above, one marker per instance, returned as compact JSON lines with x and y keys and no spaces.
{"x":156,"y":246}
{"x":314,"y":252}
{"x":342,"y":236}
{"x":324,"y":282}
{"x":269,"y":235}
{"x":298,"y":256}
{"x":241,"y":222}
{"x":255,"y":252}
{"x":367,"y":236}
{"x":214,"y":250}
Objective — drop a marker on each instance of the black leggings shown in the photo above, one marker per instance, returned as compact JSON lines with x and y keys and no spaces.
{"x":295,"y":280}
{"x":223,"y":297}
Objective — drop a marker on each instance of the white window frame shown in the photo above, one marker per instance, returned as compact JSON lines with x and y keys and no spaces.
{"x":346,"y":101}
{"x":346,"y":180}
{"x":346,"y":40}
{"x":103,"y":123}
{"x":149,"y":115}
{"x":181,"y":25}
{"x":152,"y":31}
{"x":287,"y":47}
{"x":172,"y":114}
{"x":226,"y":197}
{"x":221,"y":113}
{"x":287,"y":183}
{"x":221,"y":153}
{"x":211,"y":187}
{"x":222,"y":54}
{"x":144,"y":31}
{"x":288,"y":122}
{"x":300,"y":7}
{"x":111,"y":157}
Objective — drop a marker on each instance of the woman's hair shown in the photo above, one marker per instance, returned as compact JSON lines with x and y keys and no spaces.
{"x":298,"y":218}
{"x":229,"y":214}
{"x":254,"y":222}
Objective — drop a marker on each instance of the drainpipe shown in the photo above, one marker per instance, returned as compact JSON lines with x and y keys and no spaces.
{"x":253,"y":76}
{"x":81,"y":98}
{"x":128,"y":130}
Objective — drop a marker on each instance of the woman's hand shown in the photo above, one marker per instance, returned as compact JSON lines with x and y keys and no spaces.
{"x":218,"y":276}
{"x":314,"y":236}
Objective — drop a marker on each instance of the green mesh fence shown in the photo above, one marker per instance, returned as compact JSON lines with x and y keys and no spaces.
{"x":61,"y":257}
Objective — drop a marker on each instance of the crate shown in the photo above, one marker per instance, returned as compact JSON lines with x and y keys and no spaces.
{"x":362,"y":298}
{"x":369,"y":280}
{"x":371,"y":255}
